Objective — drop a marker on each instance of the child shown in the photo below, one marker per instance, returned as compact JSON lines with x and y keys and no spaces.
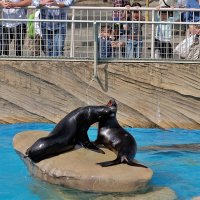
{"x":105,"y":42}
{"x":134,"y":34}
{"x":118,"y":41}
{"x":163,"y":35}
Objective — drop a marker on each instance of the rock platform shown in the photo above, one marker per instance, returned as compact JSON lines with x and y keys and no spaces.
{"x":77,"y":169}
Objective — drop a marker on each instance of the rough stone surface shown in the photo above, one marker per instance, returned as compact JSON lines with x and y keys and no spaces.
{"x":148,"y":94}
{"x":78,"y":169}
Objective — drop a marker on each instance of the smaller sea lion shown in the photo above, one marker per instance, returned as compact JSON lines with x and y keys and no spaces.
{"x":117,"y":139}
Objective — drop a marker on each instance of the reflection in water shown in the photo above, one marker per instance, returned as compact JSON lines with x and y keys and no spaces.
{"x":194,"y":147}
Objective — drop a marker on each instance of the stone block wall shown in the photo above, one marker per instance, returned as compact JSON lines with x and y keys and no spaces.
{"x":162,"y":95}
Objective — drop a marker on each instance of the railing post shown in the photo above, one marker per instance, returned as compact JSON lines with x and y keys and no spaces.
{"x":95,"y":48}
{"x":72,"y":34}
{"x":153,"y":35}
{"x":147,"y":11}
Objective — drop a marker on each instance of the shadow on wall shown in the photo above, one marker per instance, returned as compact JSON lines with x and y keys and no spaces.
{"x":104,"y":86}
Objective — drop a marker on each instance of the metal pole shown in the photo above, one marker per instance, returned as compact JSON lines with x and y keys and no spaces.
{"x":72,"y":35}
{"x":95,"y":49}
{"x":147,"y":12}
{"x":153,"y":34}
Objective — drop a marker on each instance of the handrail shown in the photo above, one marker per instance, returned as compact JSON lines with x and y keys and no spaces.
{"x":94,"y":20}
{"x":116,"y":8}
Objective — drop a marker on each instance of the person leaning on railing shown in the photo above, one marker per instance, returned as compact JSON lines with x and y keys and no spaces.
{"x":134,"y":33}
{"x":118,"y":41}
{"x":192,"y":16}
{"x":194,"y":29}
{"x":105,"y":42}
{"x":163,"y":33}
{"x":53,"y":32}
{"x":13,"y":9}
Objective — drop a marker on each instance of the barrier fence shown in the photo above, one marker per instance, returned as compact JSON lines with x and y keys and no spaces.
{"x":92,"y":34}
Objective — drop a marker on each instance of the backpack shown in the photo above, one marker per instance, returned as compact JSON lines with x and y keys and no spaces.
{"x":30,"y":26}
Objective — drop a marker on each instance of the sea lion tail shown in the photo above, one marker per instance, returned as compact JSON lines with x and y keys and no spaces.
{"x":130,"y":162}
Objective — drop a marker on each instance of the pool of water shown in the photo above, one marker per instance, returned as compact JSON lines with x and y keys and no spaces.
{"x":176,"y":169}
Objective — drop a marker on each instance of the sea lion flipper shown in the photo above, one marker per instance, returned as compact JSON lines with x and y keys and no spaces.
{"x":91,"y":146}
{"x":27,"y":151}
{"x":110,"y":163}
{"x":130,"y":162}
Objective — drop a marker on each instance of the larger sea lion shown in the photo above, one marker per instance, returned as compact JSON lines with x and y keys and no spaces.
{"x":117,"y":139}
{"x":71,"y":130}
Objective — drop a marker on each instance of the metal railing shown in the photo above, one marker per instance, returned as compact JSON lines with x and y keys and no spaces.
{"x":84,"y":39}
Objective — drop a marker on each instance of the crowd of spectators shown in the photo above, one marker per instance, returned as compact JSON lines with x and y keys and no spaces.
{"x":53,"y":32}
{"x":131,"y":36}
{"x":115,"y":40}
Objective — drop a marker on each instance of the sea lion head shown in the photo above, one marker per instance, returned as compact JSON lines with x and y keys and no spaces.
{"x":96,"y":113}
{"x":113,"y":106}
{"x":112,"y":103}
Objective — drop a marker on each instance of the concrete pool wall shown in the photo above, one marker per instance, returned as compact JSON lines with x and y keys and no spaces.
{"x":148,"y":94}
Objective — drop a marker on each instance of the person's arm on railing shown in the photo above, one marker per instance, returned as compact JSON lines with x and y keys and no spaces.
{"x":52,"y":3}
{"x":22,"y":3}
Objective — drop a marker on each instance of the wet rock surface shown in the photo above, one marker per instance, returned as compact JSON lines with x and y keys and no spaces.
{"x":77,"y":169}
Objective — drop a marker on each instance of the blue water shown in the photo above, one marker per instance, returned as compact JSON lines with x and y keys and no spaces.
{"x":178,"y":170}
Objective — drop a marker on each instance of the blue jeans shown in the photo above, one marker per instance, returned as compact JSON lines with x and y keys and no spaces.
{"x":134,"y":49}
{"x":54,"y":41}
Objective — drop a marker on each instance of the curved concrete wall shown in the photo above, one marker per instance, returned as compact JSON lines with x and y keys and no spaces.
{"x":148,"y":94}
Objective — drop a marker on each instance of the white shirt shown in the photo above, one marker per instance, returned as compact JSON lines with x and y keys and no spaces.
{"x":37,"y":25}
{"x":164,"y":31}
{"x":168,"y":2}
{"x":14,"y":13}
{"x":173,"y":3}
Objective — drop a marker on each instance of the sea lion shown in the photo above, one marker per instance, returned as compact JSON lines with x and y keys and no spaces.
{"x":117,"y":139}
{"x":71,"y":130}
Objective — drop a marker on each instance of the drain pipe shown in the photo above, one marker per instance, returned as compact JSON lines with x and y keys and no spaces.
{"x":95,"y":49}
